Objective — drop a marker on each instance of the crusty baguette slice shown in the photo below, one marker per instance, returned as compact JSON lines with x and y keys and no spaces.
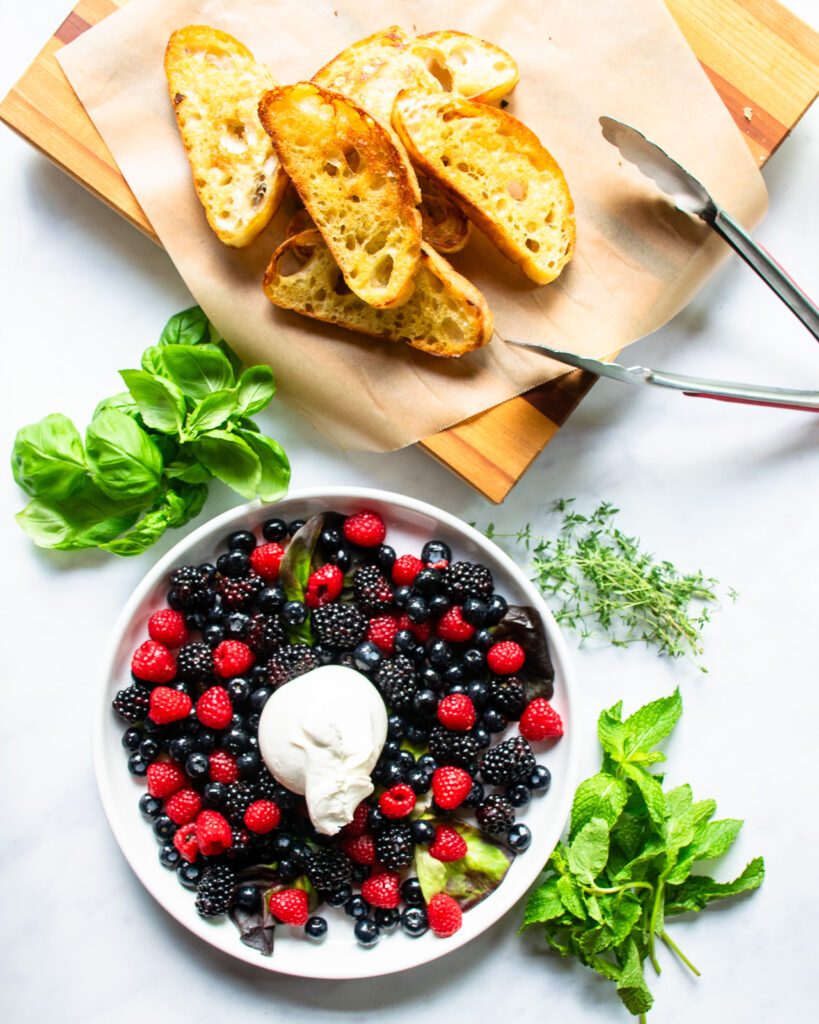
{"x":354,"y":66}
{"x":215,"y":85}
{"x":496,"y":168}
{"x":444,"y":225}
{"x":467,"y":65}
{"x":355,"y":185}
{"x":446,"y":316}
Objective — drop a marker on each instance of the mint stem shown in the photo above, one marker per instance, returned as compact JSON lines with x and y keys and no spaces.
{"x":597,"y":890}
{"x":672,"y":945}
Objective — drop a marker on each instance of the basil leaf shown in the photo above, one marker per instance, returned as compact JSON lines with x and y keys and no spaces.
{"x":230,"y":460}
{"x":275,"y":465}
{"x":83,"y":520}
{"x":190,"y":327}
{"x":151,"y":361}
{"x":161,"y":403}
{"x":124,"y":459}
{"x":176,"y":509}
{"x":211,"y":412}
{"x":123,"y":402}
{"x":255,"y":390}
{"x":186,"y":469}
{"x":48,"y":458}
{"x":198,"y":371}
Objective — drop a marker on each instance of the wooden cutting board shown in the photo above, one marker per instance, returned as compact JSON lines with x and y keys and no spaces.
{"x":761,"y":59}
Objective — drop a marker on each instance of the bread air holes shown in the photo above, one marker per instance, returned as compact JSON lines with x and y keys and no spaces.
{"x":382,"y":272}
{"x":517,"y":190}
{"x":354,"y":160}
{"x":532,"y":245}
{"x":440,"y":72}
{"x":292,"y":261}
{"x":234,"y":138}
{"x":451,"y":329}
{"x":376,"y":243}
{"x":331,"y":169}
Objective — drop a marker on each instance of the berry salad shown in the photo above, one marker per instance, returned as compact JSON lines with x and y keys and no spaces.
{"x":457,"y":687}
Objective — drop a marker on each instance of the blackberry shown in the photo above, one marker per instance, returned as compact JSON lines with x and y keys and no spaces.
{"x":236,"y":593}
{"x":194,"y":663}
{"x":238,"y":798}
{"x":373,"y":594}
{"x":455,"y":748}
{"x":397,"y":681}
{"x":214,"y":892}
{"x":467,"y":579}
{"x":290,"y":661}
{"x":240,"y":847}
{"x":394,"y":846}
{"x":339,"y":625}
{"x":507,"y":695}
{"x":495,"y":814}
{"x":510,"y":761}
{"x":265,"y":634}
{"x":132,"y":703}
{"x":329,"y":869}
{"x":191,"y":589}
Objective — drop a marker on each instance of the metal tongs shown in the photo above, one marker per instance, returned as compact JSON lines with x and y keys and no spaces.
{"x":691,"y":197}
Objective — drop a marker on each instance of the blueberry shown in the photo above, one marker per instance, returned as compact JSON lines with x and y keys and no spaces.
{"x":428,"y":763}
{"x":482,"y":737}
{"x":392,"y":773}
{"x":474,"y":611}
{"x":169,"y":856}
{"x":270,"y":599}
{"x":163,"y":827}
{"x":439,"y":603}
{"x":360,"y":872}
{"x":474,"y":662}
{"x":216,"y":610}
{"x":149,"y":806}
{"x":417,"y":609}
{"x":249,"y":897}
{"x":282,"y":843}
{"x":233,"y":564}
{"x":391,"y":750}
{"x":406,"y":760}
{"x":440,"y":654}
{"x":518,"y":794}
{"x":324,"y":654}
{"x":315,"y":928}
{"x":203,"y":739}
{"x":423,"y":832}
{"x":241,"y":540}
{"x":342,"y":558}
{"x":368,"y":656}
{"x":456,"y":688}
{"x":299,"y":852}
{"x":330,"y":538}
{"x":238,"y":689}
{"x":454,"y":674}
{"x":288,"y":869}
{"x":414,"y":921}
{"x":478,"y":693}
{"x":195,"y":621}
{"x":208,"y":569}
{"x":197,"y":765}
{"x":395,"y":726}
{"x":496,"y":608}
{"x":417,"y":733}
{"x":436,"y":551}
{"x":411,"y":892}
{"x":427,"y":582}
{"x":189,"y":875}
{"x":357,"y":907}
{"x":418,"y":779}
{"x":132,"y":738}
{"x":274,"y":529}
{"x":235,"y":741}
{"x":248,"y":764}
{"x":375,"y":819}
{"x":387,"y":919}
{"x":294,"y":526}
{"x":213,"y":634}
{"x":259,"y":698}
{"x":430,"y":678}
{"x":475,"y":795}
{"x":404,"y":641}
{"x":425,"y":703}
{"x":214,"y":794}
{"x":401,"y":596}
{"x":367,"y":932}
{"x":149,"y":748}
{"x":483,"y":639}
{"x":540,"y":779}
{"x":494,"y":721}
{"x":294,"y":613}
{"x":519,"y":837}
{"x":237,"y":625}
{"x":137,"y":765}
{"x":253,"y":725}
{"x":385,"y":558}
{"x":339,"y":897}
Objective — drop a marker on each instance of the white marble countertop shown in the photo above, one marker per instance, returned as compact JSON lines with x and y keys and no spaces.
{"x":729,"y":489}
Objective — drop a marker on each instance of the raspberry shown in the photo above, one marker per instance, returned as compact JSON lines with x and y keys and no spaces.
{"x":382,"y":890}
{"x":168,"y":627}
{"x":457,"y":712}
{"x":448,"y":844}
{"x":262,"y":816}
{"x":214,"y":708}
{"x":358,"y":826}
{"x":452,"y":626}
{"x":450,"y":787}
{"x":194,"y":663}
{"x":289,"y":906}
{"x":510,"y":761}
{"x":422,"y":631}
{"x":360,"y":849}
{"x":232,"y":658}
{"x":290,"y":661}
{"x":238,"y":592}
{"x":153,"y":663}
{"x":222,"y":767}
{"x":214,"y":892}
{"x":366,"y":529}
{"x":398,"y":801}
{"x":266,"y":560}
{"x":169,"y":705}
{"x":372,"y":592}
{"x":467,"y":579}
{"x":183,"y":806}
{"x":405,"y":569}
{"x":164,"y":778}
{"x":505,"y":658}
{"x":381,"y":631}
{"x":339,"y":625}
{"x":323,"y":586}
{"x":132,"y":703}
{"x":394,"y":846}
{"x":540,"y":721}
{"x":444,"y":915}
{"x":213,"y":833}
{"x":495,"y":814}
{"x":186,"y":842}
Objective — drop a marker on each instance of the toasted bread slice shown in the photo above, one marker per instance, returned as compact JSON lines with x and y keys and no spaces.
{"x":351,"y":68}
{"x":446,"y":316}
{"x":215,"y":86}
{"x":467,"y":65}
{"x":355,"y":185}
{"x":444,"y":225}
{"x":496,"y":168}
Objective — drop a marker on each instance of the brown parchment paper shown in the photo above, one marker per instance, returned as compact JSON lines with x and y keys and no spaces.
{"x":638,"y":261}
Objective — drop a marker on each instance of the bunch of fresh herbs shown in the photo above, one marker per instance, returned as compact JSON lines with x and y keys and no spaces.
{"x":627,"y":864}
{"x":608,"y":586}
{"x":150,"y":452}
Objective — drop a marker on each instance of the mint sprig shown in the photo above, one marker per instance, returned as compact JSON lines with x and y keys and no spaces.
{"x":150,"y":452}
{"x":627,"y":865}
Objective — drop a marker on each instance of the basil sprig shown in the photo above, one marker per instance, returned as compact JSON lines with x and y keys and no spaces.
{"x":150,"y":451}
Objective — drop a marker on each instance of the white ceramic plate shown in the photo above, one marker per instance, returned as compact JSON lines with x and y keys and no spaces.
{"x":410,"y":523}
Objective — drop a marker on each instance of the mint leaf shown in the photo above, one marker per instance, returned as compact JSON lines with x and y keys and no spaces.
{"x":543,"y":904}
{"x":190,"y":327}
{"x":123,"y":458}
{"x":570,"y":897}
{"x":650,"y":789}
{"x":230,"y":460}
{"x":160,"y":402}
{"x":255,"y":390}
{"x":699,"y":890}
{"x":652,"y":723}
{"x":610,"y":731}
{"x":631,"y":986}
{"x":601,"y":796}
{"x":210,"y":412}
{"x":198,"y":371}
{"x":48,"y":458}
{"x":589,"y":850}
